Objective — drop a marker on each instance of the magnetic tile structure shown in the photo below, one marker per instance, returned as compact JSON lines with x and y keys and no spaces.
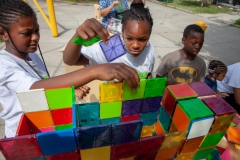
{"x":155,"y":87}
{"x":131,"y":107}
{"x":151,"y":104}
{"x":110,"y":110}
{"x":201,"y":88}
{"x":164,"y":119}
{"x":149,"y":118}
{"x":212,"y":139}
{"x":110,"y":92}
{"x":130,"y":118}
{"x":168,"y":102}
{"x":202,"y":153}
{"x":147,"y":131}
{"x":124,"y":150}
{"x":191,"y":145}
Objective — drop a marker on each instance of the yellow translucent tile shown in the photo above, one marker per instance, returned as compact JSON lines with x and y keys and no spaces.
{"x":101,"y":153}
{"x":147,"y":131}
{"x":237,"y":146}
{"x":110,"y":91}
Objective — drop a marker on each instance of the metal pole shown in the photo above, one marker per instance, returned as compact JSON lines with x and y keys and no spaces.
{"x":52,"y":18}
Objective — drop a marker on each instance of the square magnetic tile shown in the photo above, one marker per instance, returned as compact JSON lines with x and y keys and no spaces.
{"x":185,"y":156}
{"x":191,"y":145}
{"x":236,"y":119}
{"x":40,"y":119}
{"x":130,"y":118}
{"x":124,"y":150}
{"x":126,"y":132}
{"x":159,"y":128}
{"x":92,"y":137}
{"x":110,"y":92}
{"x":180,"y":119}
{"x":36,"y":98}
{"x":182,"y":91}
{"x":62,"y":116}
{"x":129,"y":94}
{"x":131,"y":107}
{"x":25,"y":147}
{"x":200,"y":127}
{"x":110,"y":120}
{"x":173,"y":128}
{"x":100,"y":153}
{"x":202,"y":153}
{"x":146,"y":156}
{"x":164,"y":119}
{"x":201,"y":88}
{"x":63,"y":127}
{"x":64,"y":156}
{"x":23,"y":127}
{"x":41,"y":130}
{"x":168,"y":102}
{"x":142,"y":75}
{"x":113,"y":49}
{"x":147,"y":131}
{"x":149,"y":118}
{"x":155,"y":87}
{"x":233,"y":135}
{"x":167,"y":154}
{"x":151,"y":104}
{"x":110,"y":110}
{"x":212,"y":139}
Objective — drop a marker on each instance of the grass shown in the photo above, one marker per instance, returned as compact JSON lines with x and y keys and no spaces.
{"x":1,"y":40}
{"x":237,"y":22}
{"x":195,"y":7}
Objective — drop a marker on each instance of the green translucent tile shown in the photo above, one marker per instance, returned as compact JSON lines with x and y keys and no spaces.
{"x":63,"y":127}
{"x":195,"y":108}
{"x":110,"y":110}
{"x":59,"y":98}
{"x":73,"y":95}
{"x":142,"y":75}
{"x":232,"y":124}
{"x":110,"y":120}
{"x":201,"y":154}
{"x":155,"y":87}
{"x":83,"y":42}
{"x":212,"y":139}
{"x":129,"y":94}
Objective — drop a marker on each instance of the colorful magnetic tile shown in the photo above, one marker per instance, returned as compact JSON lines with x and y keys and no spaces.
{"x":130,"y":118}
{"x":80,"y":41}
{"x":218,"y":105}
{"x":173,"y":128}
{"x":180,"y":119}
{"x":113,"y":49}
{"x":155,"y":87}
{"x":124,"y":150}
{"x":233,"y":135}
{"x":64,"y":156}
{"x":87,"y":114}
{"x":185,"y":156}
{"x":167,"y":154}
{"x":201,"y":88}
{"x":57,"y":142}
{"x":40,"y":158}
{"x":173,"y":139}
{"x":129,"y":94}
{"x":149,"y":118}
{"x":131,"y":107}
{"x":215,"y":155}
{"x":147,"y":131}
{"x":110,"y":92}
{"x":221,"y":123}
{"x":110,"y":120}
{"x":226,"y":154}
{"x":182,"y":91}
{"x":164,"y":119}
{"x":236,"y":119}
{"x":126,"y":132}
{"x":100,"y":153}
{"x":212,"y":139}
{"x":142,"y":75}
{"x":92,"y":137}
{"x":39,"y":119}
{"x":41,"y":130}
{"x":62,"y":116}
{"x":146,"y":156}
{"x":195,"y":108}
{"x":202,"y":153}
{"x":151,"y":104}
{"x":168,"y":102}
{"x":191,"y":145}
{"x":24,"y":147}
{"x":60,"y":98}
{"x":31,"y":98}
{"x":110,"y":110}
{"x":23,"y":127}
{"x":200,"y":127}
{"x":159,"y":128}
{"x":63,"y":127}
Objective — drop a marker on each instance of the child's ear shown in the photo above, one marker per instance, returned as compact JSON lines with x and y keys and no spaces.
{"x":183,"y":40}
{"x":3,"y":34}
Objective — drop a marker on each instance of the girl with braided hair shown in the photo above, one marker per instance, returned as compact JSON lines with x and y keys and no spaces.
{"x":136,"y":30}
{"x":21,"y":69}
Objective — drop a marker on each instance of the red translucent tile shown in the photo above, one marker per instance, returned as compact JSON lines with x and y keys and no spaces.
{"x":124,"y":150}
{"x":182,"y":91}
{"x":20,"y":148}
{"x":41,"y":130}
{"x":201,"y":88}
{"x":23,"y":127}
{"x":146,"y":156}
{"x":62,"y":116}
{"x":236,"y":119}
{"x":64,"y":156}
{"x":130,"y":118}
{"x":218,"y":105}
{"x":168,"y":102}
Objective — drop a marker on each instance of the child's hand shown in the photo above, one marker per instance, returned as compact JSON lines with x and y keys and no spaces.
{"x":82,"y":91}
{"x":222,"y":94}
{"x":90,"y":28}
{"x":114,"y":4}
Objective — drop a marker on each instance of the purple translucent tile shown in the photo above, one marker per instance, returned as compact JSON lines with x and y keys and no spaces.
{"x":218,"y":105}
{"x":151,"y":104}
{"x":126,"y":132}
{"x":201,"y":88}
{"x":131,"y":107}
{"x":114,"y":48}
{"x":92,"y":137}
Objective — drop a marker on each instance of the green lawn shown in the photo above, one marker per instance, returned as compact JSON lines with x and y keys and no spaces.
{"x":237,"y":22}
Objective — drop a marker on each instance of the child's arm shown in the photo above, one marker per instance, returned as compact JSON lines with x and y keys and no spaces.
{"x":90,"y":28}
{"x":236,"y":92}
{"x":81,"y":77}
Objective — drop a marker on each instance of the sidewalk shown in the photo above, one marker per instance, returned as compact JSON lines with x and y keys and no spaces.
{"x":222,"y":41}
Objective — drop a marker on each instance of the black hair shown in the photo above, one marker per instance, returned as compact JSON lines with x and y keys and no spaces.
{"x":216,"y":67}
{"x":139,"y":13}
{"x":192,"y":28}
{"x":12,"y":10}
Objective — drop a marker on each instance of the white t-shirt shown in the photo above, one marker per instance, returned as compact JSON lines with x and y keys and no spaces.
{"x":231,"y":80}
{"x":16,"y":75}
{"x":142,"y":63}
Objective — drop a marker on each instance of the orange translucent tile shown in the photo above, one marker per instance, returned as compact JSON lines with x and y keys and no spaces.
{"x":173,"y":128}
{"x":181,"y":119}
{"x":158,"y":128}
{"x":191,"y":145}
{"x":233,"y":135}
{"x":100,"y":153}
{"x":185,"y":156}
{"x":173,"y":139}
{"x":39,"y":119}
{"x":147,"y":131}
{"x":167,"y":154}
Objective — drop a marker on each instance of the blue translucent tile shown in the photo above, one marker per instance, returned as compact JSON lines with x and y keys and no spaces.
{"x":126,"y":132}
{"x":114,"y":48}
{"x":164,"y":119}
{"x":131,"y":107}
{"x":75,"y":121}
{"x":92,"y":137}
{"x":88,"y":114}
{"x":149,"y":118}
{"x":110,"y":120}
{"x":151,"y":104}
{"x":56,"y":142}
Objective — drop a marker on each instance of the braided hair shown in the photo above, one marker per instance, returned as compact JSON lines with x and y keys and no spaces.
{"x":192,"y":28}
{"x":139,"y":13}
{"x":216,"y":67}
{"x":12,"y":10}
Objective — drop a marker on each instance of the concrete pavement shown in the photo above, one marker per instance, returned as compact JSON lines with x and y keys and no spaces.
{"x":222,"y":41}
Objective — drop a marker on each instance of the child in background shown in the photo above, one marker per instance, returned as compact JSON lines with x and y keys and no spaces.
{"x":136,"y":30}
{"x":216,"y":71}
{"x":184,"y":65}
{"x":22,"y":69}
